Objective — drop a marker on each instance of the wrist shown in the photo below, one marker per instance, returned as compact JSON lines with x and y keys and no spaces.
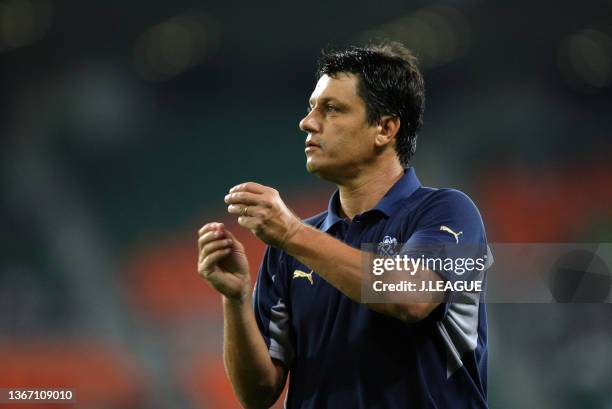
{"x":294,"y":238}
{"x":246,"y":298}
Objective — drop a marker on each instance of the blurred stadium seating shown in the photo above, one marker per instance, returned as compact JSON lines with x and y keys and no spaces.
{"x":101,"y":375}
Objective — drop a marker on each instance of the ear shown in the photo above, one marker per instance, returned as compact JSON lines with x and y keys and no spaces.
{"x":388,"y":126}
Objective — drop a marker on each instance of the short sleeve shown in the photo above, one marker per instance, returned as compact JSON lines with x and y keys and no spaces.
{"x":272,"y":308}
{"x":449,"y":230}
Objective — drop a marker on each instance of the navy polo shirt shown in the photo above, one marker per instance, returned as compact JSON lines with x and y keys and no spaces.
{"x":340,"y":353}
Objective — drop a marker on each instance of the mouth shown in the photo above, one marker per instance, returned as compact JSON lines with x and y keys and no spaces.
{"x":311,"y":148}
{"x":310,"y":145}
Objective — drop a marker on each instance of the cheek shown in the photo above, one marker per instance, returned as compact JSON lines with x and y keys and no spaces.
{"x":341,"y":146}
{"x":354,"y":141}
{"x":344,"y":136}
{"x":347,"y":140}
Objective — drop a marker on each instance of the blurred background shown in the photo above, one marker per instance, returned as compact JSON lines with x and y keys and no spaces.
{"x":123,"y":124}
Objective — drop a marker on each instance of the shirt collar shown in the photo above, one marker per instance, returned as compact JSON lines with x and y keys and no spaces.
{"x":403,"y":188}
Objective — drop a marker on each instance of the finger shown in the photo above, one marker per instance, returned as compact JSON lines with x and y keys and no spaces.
{"x":210,"y":236}
{"x":251,"y":211}
{"x":210,"y":246}
{"x":248,"y":222}
{"x":208,"y":227}
{"x":249,"y":187}
{"x":244,"y":198}
{"x":236,"y":209}
{"x":216,"y":245}
{"x":231,"y":236}
{"x":205,"y":266}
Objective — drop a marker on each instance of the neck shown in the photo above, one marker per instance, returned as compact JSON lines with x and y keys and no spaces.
{"x":366,"y":189}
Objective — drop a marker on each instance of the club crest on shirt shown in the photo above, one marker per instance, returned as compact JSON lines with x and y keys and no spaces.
{"x":388,"y":246}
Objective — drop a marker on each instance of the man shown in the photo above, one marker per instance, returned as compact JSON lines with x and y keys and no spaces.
{"x":309,"y":318}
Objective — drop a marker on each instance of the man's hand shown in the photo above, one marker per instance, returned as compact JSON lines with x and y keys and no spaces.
{"x":261,"y":210}
{"x":256,"y":378}
{"x":222,"y":262}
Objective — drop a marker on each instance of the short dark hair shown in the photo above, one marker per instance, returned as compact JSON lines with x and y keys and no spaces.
{"x":390,"y":83}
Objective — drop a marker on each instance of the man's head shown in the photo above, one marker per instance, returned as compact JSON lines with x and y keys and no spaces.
{"x":368,"y":102}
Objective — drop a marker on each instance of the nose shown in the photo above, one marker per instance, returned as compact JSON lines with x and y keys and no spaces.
{"x":310,"y":124}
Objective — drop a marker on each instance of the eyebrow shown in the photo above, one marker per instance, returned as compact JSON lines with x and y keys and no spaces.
{"x":327,"y":99}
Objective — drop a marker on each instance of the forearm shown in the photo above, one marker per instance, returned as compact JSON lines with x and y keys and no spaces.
{"x":342,"y":266}
{"x":256,"y":379}
{"x":335,"y":261}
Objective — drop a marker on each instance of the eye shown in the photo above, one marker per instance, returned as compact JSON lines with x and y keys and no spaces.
{"x":331,"y":108}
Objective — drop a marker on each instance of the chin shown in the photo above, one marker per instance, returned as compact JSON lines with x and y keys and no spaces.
{"x":320,"y":170}
{"x":311,"y":167}
{"x":315,"y":162}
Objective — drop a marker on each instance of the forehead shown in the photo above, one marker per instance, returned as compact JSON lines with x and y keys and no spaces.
{"x":342,"y":86}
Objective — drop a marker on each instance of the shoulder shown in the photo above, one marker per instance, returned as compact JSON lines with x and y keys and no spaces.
{"x":451,"y":208}
{"x":445,"y":200}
